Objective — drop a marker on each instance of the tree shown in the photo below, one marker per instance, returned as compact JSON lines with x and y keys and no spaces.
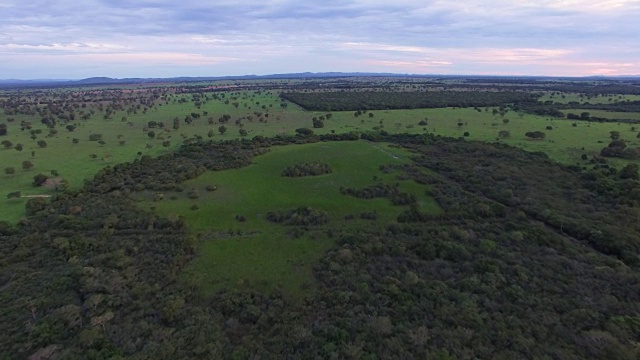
{"x":27,"y":165}
{"x":42,"y":144}
{"x":304,"y":131}
{"x":222,"y":129}
{"x":614,"y":135}
{"x":70,"y":127}
{"x":629,"y":172}
{"x":75,"y":140}
{"x":14,"y":195}
{"x":503,"y":134}
{"x":505,"y":121}
{"x":10,"y":170}
{"x":7,"y":144}
{"x":317,"y":123}
{"x":40,"y":179}
{"x":243,"y":132}
{"x":3,"y":129}
{"x":19,"y":147}
{"x":536,"y":135}
{"x":151,"y":134}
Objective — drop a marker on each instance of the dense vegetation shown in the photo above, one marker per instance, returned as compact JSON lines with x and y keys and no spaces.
{"x":371,"y":100}
{"x":529,"y":259}
{"x":307,"y":169}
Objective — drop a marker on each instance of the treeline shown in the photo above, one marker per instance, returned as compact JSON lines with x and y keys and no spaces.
{"x":371,"y":100}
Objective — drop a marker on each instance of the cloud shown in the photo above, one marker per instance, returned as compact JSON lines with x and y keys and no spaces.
{"x":525,"y":36}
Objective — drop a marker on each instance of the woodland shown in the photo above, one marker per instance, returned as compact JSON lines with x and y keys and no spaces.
{"x":526,"y":257}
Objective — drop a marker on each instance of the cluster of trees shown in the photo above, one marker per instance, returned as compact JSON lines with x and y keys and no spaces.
{"x":314,"y":168}
{"x":618,"y":148}
{"x":300,"y":216}
{"x":381,"y":190}
{"x":371,"y":100}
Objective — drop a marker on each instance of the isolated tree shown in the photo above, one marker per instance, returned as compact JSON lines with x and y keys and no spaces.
{"x":614,"y":135}
{"x":27,"y":165}
{"x":243,"y":132}
{"x":505,"y":121}
{"x":222,"y":129}
{"x":9,"y":170}
{"x":317,"y":123}
{"x":70,"y":127}
{"x":151,"y":134}
{"x":7,"y":144}
{"x":503,"y":134}
{"x":14,"y":195}
{"x":3,"y":129}
{"x":19,"y":147}
{"x":536,"y":135}
{"x":75,"y":140}
{"x":211,"y":133}
{"x":42,"y":144}
{"x":40,"y":179}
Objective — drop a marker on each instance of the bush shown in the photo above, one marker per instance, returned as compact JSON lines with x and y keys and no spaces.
{"x":303,"y":215}
{"x":307,"y":169}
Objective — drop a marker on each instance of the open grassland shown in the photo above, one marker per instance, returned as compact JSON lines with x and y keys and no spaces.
{"x":265,"y":254}
{"x":125,"y":134}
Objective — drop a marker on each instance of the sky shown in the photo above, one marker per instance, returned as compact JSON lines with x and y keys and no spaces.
{"x":65,"y":39}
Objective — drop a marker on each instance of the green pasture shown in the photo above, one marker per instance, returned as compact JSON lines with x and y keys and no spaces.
{"x":74,"y":162}
{"x":262,"y":253}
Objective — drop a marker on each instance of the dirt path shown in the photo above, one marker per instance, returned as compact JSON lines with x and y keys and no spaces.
{"x":35,"y":196}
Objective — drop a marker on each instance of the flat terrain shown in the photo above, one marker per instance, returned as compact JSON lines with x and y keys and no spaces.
{"x":155,"y":119}
{"x":261,"y":253}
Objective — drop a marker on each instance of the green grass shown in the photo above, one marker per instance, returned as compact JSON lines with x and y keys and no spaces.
{"x":564,"y":143}
{"x":261,"y":253}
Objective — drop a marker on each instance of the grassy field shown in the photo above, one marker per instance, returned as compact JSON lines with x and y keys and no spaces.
{"x":260,"y":253}
{"x":126,"y":139}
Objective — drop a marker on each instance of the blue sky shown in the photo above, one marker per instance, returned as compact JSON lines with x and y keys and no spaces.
{"x":159,"y":38}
